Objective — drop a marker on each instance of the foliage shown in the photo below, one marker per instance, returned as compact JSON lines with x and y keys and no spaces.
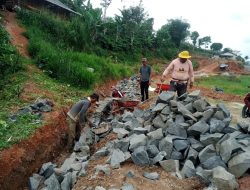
{"x":55,"y":51}
{"x":195,"y":64}
{"x":9,"y":58}
{"x":216,"y":46}
{"x":178,"y":30}
{"x":194,"y":36}
{"x":13,"y":132}
{"x":204,"y":41}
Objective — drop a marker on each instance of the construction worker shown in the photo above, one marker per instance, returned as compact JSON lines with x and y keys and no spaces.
{"x":145,"y":74}
{"x":182,"y":73}
{"x":76,"y":117}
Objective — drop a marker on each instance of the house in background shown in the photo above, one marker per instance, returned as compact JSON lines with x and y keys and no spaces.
{"x":228,"y":56}
{"x":55,"y":6}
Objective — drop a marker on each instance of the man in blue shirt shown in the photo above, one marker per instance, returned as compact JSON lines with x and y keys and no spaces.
{"x":145,"y":73}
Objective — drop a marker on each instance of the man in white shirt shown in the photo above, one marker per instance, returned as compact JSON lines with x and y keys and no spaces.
{"x":182,"y":73}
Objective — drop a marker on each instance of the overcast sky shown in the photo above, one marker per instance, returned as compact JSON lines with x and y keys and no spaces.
{"x":225,"y":21}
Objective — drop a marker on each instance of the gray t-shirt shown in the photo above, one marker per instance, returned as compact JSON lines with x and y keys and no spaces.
{"x":145,"y":72}
{"x":79,"y":110}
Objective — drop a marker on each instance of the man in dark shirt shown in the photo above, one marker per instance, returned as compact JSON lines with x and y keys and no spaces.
{"x":145,"y":73}
{"x":77,"y":115}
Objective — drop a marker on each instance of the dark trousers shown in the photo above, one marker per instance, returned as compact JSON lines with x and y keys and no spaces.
{"x":181,"y":88}
{"x":144,"y":89}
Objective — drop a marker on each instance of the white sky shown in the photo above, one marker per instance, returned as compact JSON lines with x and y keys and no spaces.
{"x":225,"y":21}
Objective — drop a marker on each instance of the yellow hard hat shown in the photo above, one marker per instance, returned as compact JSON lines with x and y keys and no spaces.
{"x":184,"y":54}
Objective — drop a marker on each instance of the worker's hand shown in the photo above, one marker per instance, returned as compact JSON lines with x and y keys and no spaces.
{"x":162,"y":79}
{"x":191,"y":85}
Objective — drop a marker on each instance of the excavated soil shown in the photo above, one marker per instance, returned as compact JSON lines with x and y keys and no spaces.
{"x":20,"y":161}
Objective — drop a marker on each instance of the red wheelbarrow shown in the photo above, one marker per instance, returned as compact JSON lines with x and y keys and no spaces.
{"x":119,"y":105}
{"x":162,"y":87}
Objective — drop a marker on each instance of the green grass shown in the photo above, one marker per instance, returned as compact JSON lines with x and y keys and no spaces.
{"x":230,"y":84}
{"x":13,"y":132}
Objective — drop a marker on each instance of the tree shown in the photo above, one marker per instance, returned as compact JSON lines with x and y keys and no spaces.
{"x":105,"y":4}
{"x":194,"y":36}
{"x":178,"y":30}
{"x":216,"y":46}
{"x":227,"y":50}
{"x":204,"y":41}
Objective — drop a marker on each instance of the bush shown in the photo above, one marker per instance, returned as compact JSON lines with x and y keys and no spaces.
{"x":9,"y":58}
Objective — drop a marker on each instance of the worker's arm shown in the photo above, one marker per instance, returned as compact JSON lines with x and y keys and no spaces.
{"x":167,"y":71}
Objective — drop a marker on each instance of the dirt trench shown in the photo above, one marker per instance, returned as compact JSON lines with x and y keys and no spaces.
{"x":21,"y":160}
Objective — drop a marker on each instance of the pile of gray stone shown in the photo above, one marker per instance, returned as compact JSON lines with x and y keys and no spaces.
{"x":130,"y":87}
{"x":37,"y":108}
{"x":185,"y":136}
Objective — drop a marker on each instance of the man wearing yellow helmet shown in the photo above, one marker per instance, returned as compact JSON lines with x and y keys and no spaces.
{"x":182,"y":73}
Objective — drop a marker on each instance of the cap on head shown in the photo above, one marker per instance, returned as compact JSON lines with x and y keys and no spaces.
{"x":184,"y":55}
{"x":144,"y":59}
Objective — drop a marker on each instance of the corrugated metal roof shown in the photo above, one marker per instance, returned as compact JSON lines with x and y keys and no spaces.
{"x":60,"y":4}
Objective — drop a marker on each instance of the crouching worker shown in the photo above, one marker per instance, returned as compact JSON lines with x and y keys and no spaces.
{"x":76,"y":117}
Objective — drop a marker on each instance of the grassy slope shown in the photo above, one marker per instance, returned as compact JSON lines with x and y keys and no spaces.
{"x":43,"y":87}
{"x":230,"y":84}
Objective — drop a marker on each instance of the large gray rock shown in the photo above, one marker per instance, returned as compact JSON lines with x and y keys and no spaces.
{"x":116,"y":158}
{"x":192,"y":155}
{"x":159,"y":107}
{"x":222,"y":107}
{"x":206,"y":153}
{"x":67,"y":182}
{"x":210,"y":138}
{"x":188,"y":169}
{"x":216,"y":126}
{"x":223,"y":179}
{"x":137,"y":140}
{"x":166,"y":96}
{"x":52,"y":183}
{"x":35,"y":181}
{"x":166,"y":145}
{"x":120,"y":132}
{"x":200,"y":105}
{"x":227,"y":147}
{"x":159,"y":157}
{"x":196,"y":145}
{"x":198,"y":128}
{"x":170,"y":165}
{"x":206,"y":115}
{"x":166,"y":110}
{"x":180,"y":145}
{"x":239,"y":164}
{"x":122,"y":144}
{"x":185,"y":112}
{"x":177,"y":130}
{"x":152,"y":150}
{"x":140,"y":156}
{"x":158,"y":122}
{"x":155,"y":135}
{"x":213,"y":162}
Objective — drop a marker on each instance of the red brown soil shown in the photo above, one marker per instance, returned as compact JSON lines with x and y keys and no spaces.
{"x":15,"y":31}
{"x":21,"y":160}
